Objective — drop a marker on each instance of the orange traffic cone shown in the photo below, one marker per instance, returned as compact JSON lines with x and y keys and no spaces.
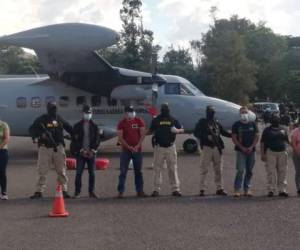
{"x":59,"y":204}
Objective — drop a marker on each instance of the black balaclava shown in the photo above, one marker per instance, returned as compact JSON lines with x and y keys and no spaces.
{"x":275,"y":120}
{"x":210,"y":112}
{"x":52,"y":109}
{"x":165,"y":110}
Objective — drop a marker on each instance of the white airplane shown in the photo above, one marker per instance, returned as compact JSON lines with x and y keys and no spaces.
{"x":77,"y":74}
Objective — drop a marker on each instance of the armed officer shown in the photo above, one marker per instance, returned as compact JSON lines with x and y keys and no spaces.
{"x":208,"y":130}
{"x":48,"y":129}
{"x":165,"y":128}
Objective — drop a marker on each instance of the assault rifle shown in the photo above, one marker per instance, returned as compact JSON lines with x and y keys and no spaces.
{"x":49,"y":137}
{"x":215,"y":139}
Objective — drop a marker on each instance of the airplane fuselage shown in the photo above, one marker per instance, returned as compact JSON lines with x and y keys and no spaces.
{"x":24,"y":99}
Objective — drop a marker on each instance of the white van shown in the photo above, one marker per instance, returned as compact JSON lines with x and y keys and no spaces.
{"x":261,"y":107}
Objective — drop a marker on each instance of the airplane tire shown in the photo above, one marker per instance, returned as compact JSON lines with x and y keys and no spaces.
{"x":190,"y":146}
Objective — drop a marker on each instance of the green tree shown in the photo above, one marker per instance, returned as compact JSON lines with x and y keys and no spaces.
{"x":135,"y":49}
{"x":224,"y":61}
{"x":13,"y":60}
{"x":257,"y":45}
{"x":268,"y":51}
{"x":131,"y":34}
{"x":178,"y":62}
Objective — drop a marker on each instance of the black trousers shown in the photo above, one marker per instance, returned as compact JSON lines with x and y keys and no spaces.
{"x":81,"y":161}
{"x":3,"y":165}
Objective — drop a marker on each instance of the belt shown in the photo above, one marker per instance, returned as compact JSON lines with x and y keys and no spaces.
{"x":48,"y":146}
{"x":165,"y":145}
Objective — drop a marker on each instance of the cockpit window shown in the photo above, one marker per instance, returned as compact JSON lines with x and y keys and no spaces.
{"x":184,"y":90}
{"x":190,"y":87}
{"x":177,"y":89}
{"x":184,"y":87}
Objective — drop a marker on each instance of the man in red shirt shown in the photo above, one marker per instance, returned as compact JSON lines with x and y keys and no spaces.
{"x":131,"y":133}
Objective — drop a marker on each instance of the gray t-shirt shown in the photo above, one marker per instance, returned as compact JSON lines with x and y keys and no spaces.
{"x":86,"y":135}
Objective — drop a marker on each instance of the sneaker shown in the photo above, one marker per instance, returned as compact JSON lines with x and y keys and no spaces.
{"x":248,"y":194}
{"x":221,"y":192}
{"x":93,"y":195}
{"x":237,"y":194}
{"x":76,"y":196}
{"x":36,"y":195}
{"x":201,"y":193}
{"x":270,"y":194}
{"x":120,"y":196}
{"x":283,"y":194}
{"x":177,"y":194}
{"x":66,"y":195}
{"x":4,"y":197}
{"x":141,"y":195}
{"x":155,"y":194}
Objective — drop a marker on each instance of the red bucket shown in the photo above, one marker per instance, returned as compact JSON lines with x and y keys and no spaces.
{"x":71,"y":163}
{"x":102,"y":163}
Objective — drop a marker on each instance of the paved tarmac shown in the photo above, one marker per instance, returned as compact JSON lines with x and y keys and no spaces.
{"x":189,"y":222}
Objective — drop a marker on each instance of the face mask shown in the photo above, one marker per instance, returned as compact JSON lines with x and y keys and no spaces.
{"x":87,"y":117}
{"x":210,"y":115}
{"x":131,"y":115}
{"x":244,"y":117}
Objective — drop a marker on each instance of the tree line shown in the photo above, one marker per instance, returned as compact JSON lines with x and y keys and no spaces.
{"x":235,"y":59}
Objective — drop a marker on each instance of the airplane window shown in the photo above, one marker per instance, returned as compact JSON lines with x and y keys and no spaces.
{"x":21,"y":102}
{"x":138,"y":103}
{"x":126,"y":103}
{"x":112,"y":102}
{"x":36,"y":102}
{"x":96,"y":101}
{"x":64,"y":101}
{"x":80,"y":100}
{"x":49,"y":99}
{"x":172,"y":89}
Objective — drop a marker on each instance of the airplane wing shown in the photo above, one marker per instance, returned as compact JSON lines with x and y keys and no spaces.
{"x":68,"y":52}
{"x":68,"y":47}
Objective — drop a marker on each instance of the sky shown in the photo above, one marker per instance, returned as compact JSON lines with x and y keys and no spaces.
{"x":174,"y":22}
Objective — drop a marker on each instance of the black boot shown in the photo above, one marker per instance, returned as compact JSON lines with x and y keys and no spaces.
{"x":36,"y":195}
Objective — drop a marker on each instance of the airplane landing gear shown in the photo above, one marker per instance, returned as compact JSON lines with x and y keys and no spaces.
{"x":190,"y":146}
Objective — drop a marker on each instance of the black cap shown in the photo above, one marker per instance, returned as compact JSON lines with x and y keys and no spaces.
{"x":210,"y":108}
{"x":164,"y":109}
{"x":87,"y":109}
{"x":129,"y":109}
{"x":164,"y":106}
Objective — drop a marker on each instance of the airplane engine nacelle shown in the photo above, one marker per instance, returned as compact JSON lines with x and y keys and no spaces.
{"x":107,"y":133}
{"x":129,"y":92}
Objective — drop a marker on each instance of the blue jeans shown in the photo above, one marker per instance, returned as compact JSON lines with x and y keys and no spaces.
{"x":244,"y":162}
{"x":3,"y":165}
{"x":137,"y":160}
{"x":81,"y":161}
